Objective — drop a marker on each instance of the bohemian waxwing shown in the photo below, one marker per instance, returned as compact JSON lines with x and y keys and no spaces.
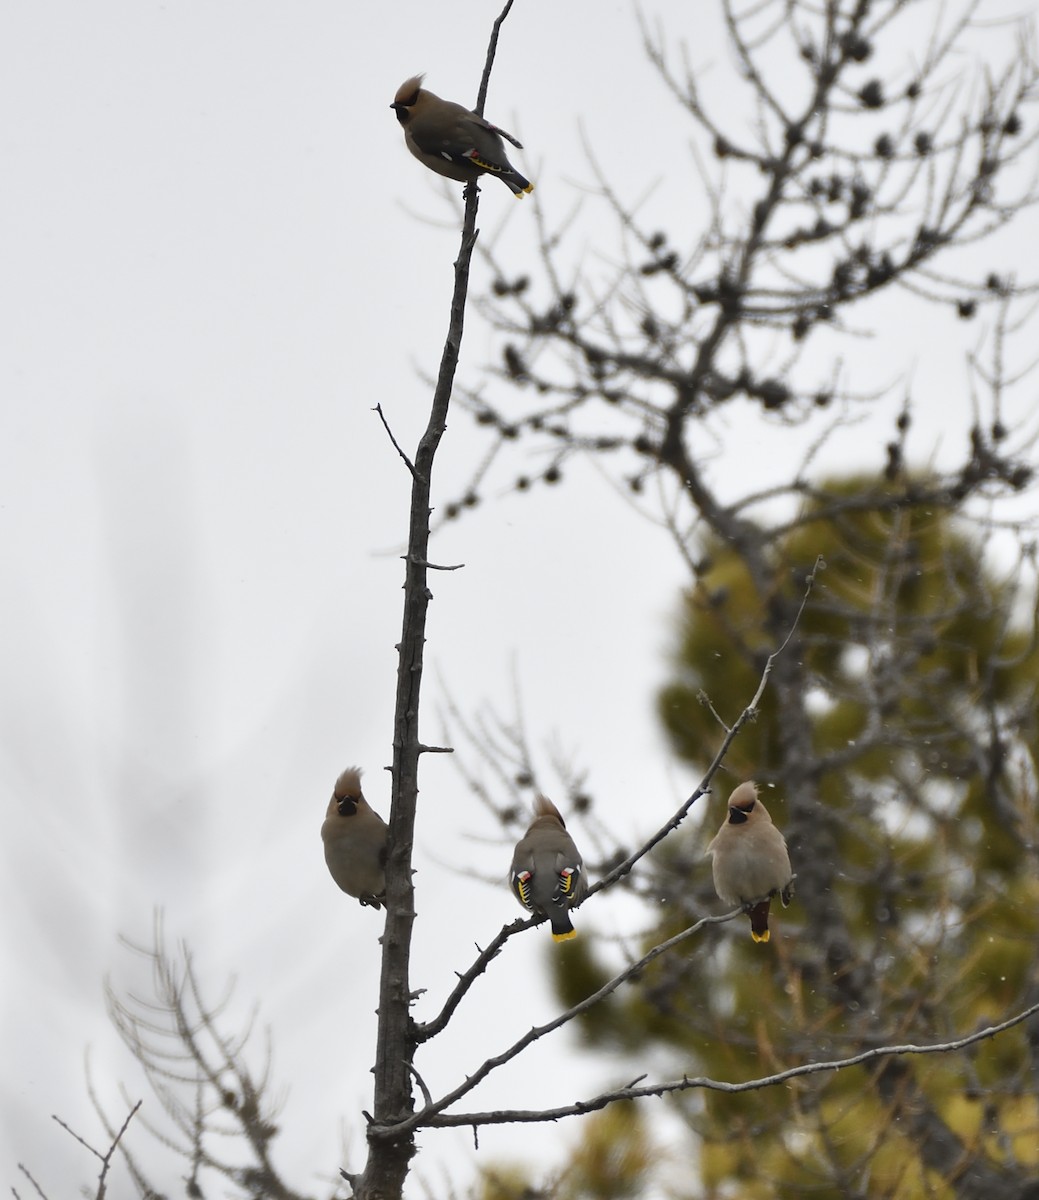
{"x":749,"y":859}
{"x":355,"y":841}
{"x":453,"y":141}
{"x":547,"y":874}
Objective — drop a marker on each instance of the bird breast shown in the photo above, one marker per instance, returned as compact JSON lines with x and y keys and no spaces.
{"x":748,"y":869}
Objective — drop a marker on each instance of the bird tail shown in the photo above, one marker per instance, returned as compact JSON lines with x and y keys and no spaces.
{"x":517,"y":184}
{"x":562,"y":932}
{"x":759,"y":921}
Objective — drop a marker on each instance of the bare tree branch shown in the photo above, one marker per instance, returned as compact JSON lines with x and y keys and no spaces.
{"x":508,"y":1116}
{"x":388,"y":1159}
{"x":429,"y":1029}
{"x":423,"y":1117}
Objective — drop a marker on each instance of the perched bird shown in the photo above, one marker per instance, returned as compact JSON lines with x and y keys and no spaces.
{"x":453,"y":141}
{"x":355,"y":841}
{"x":547,"y":873}
{"x":749,"y":859}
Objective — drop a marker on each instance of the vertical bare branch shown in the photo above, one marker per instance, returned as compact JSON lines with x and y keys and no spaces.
{"x":388,"y":1159}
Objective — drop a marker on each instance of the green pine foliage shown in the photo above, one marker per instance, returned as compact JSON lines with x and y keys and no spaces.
{"x":916,"y":668}
{"x":611,"y":1161}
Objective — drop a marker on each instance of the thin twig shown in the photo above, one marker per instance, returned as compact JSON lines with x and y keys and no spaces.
{"x":82,"y":1141}
{"x":492,"y":50}
{"x":432,"y":566}
{"x":705,"y":700}
{"x":428,"y":1029}
{"x":36,"y":1187}
{"x":421,"y":1084}
{"x":106,"y":1158}
{"x":396,"y":445}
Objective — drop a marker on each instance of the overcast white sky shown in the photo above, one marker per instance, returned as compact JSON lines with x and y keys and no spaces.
{"x":212,"y":266}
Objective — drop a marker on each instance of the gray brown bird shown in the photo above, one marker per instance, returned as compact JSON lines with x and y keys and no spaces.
{"x":355,"y":841}
{"x":749,"y":859}
{"x":451,"y":140}
{"x":547,"y":873}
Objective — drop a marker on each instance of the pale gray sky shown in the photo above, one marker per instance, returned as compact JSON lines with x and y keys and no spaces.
{"x":216,"y":257}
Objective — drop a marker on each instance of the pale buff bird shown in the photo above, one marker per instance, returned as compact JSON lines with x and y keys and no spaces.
{"x":355,"y":841}
{"x":547,"y":873}
{"x":451,"y":140}
{"x":749,"y":859}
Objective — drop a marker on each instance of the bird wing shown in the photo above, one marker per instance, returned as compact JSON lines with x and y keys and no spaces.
{"x":469,"y":141}
{"x":568,"y":880}
{"x":521,"y":873}
{"x":568,"y":885}
{"x":521,"y":882}
{"x":487,"y":149}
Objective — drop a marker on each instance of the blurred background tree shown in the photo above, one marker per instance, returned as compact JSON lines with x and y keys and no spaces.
{"x":913,"y":833}
{"x":897,"y":737}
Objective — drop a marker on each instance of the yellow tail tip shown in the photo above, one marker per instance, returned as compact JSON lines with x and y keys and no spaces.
{"x":564,"y":937}
{"x":759,"y":937}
